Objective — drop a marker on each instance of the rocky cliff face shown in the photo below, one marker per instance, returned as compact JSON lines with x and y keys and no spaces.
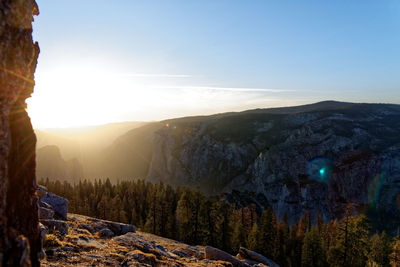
{"x":316,"y":158}
{"x":19,"y":229}
{"x":53,"y":166}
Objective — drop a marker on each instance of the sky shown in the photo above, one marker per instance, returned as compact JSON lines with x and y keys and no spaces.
{"x":130,"y":60}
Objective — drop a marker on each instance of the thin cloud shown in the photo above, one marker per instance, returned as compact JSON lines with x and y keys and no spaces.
{"x":230,"y":89}
{"x":153,"y":75}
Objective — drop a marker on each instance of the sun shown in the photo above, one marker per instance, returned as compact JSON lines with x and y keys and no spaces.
{"x":78,"y":96}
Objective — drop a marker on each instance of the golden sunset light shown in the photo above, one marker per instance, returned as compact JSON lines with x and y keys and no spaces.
{"x":200,"y":133}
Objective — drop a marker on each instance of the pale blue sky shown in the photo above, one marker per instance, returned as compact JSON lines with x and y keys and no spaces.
{"x":148,"y":60}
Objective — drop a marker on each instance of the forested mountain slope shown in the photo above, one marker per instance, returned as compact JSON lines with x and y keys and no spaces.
{"x":316,"y":157}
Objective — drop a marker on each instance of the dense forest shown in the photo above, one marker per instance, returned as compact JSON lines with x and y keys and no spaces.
{"x":187,"y":215}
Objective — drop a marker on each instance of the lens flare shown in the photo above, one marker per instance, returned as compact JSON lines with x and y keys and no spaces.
{"x":374,"y":189}
{"x":320,"y":169}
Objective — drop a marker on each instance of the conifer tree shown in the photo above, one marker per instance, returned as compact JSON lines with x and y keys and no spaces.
{"x":252,"y":240}
{"x":313,"y":254}
{"x":153,"y":215}
{"x":351,"y":244}
{"x":282,"y":236}
{"x":380,"y":250}
{"x":184,"y":215}
{"x":170,"y":203}
{"x":238,"y":236}
{"x":294,"y":246}
{"x":329,"y":235}
{"x":198,"y":210}
{"x":395,"y":255}
{"x":225,"y":229}
{"x":268,"y":235}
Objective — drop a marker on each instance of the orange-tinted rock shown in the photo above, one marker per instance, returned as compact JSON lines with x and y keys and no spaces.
{"x":19,"y":227}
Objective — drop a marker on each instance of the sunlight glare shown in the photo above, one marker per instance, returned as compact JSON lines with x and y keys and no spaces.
{"x":71,"y":96}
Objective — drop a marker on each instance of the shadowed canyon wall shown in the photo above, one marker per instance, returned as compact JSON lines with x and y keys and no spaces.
{"x":19,"y":226}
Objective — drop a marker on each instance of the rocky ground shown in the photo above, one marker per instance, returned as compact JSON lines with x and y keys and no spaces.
{"x":91,"y":242}
{"x":71,"y":239}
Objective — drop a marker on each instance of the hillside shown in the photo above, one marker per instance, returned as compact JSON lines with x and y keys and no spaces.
{"x":82,"y":246}
{"x":316,"y":157}
{"x":81,"y":146}
{"x":76,"y":240}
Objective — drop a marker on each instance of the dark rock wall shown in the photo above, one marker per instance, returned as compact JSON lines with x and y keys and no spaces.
{"x":315,"y":161}
{"x":19,"y":228}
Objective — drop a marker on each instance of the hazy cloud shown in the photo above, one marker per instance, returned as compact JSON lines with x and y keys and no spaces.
{"x":153,"y":75}
{"x":231,"y":89}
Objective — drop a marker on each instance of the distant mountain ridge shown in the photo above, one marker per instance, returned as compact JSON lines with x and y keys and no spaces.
{"x":316,"y":157}
{"x":83,"y":146}
{"x":53,"y":166}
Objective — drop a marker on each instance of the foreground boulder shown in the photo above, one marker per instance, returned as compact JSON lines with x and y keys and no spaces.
{"x":20,"y":243}
{"x":58,"y":204}
{"x":41,"y":191}
{"x":251,"y":255}
{"x":217,"y":254}
{"x":104,"y":228}
{"x":116,"y":227}
{"x":45,"y":213}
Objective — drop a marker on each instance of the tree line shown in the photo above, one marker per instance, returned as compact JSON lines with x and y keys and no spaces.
{"x":189,"y":216}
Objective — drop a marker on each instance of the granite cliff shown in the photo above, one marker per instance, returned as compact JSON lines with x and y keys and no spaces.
{"x":315,"y":157}
{"x":53,"y":166}
{"x":20,"y":243}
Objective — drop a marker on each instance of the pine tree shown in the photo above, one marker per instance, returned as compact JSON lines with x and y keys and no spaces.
{"x":152,"y":216}
{"x":351,"y":244}
{"x":184,"y":215}
{"x":395,"y":255}
{"x":304,"y":225}
{"x":313,"y":254}
{"x":225,"y":229}
{"x":294,"y":246}
{"x":380,"y":250}
{"x":329,"y":235}
{"x":198,"y":210}
{"x":252,"y":240}
{"x":268,"y":235}
{"x":238,"y":236}
{"x":212,"y":219}
{"x":282,"y":236}
{"x":170,"y":203}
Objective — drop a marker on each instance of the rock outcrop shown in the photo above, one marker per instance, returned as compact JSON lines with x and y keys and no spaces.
{"x":53,"y":166}
{"x":217,"y":254}
{"x":59,"y":205}
{"x":53,"y":211}
{"x":254,"y":256}
{"x":85,"y":245}
{"x":314,"y":158}
{"x":20,"y":243}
